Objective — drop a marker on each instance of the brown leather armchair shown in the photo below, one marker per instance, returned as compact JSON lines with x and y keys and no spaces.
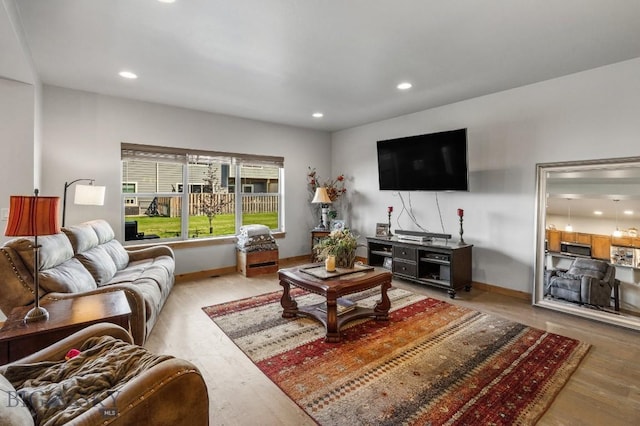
{"x":171,"y":392}
{"x":587,"y":281}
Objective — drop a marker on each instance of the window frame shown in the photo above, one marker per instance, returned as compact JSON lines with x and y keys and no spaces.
{"x":230,"y":166}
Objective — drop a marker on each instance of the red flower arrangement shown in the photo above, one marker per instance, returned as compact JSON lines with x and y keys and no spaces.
{"x":335,"y":187}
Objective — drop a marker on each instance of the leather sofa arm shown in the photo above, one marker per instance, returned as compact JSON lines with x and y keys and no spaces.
{"x":595,"y":291}
{"x":58,"y":350}
{"x":587,"y":281}
{"x":170,"y":393}
{"x":548,"y":275}
{"x":149,"y":253}
{"x":138,"y":322}
{"x":610,"y":276}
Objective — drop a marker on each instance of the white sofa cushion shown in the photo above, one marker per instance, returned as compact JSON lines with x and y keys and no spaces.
{"x":99,"y":264}
{"x":54,"y":250}
{"x":118,"y":254}
{"x":70,"y":277}
{"x":103,"y":230}
{"x":82,"y":237}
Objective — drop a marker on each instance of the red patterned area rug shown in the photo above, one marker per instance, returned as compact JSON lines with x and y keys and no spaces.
{"x":434,"y":363}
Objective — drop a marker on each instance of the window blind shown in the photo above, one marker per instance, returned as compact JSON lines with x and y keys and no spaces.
{"x":181,"y":155}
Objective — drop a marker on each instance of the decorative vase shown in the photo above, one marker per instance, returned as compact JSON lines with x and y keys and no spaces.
{"x":330,"y":263}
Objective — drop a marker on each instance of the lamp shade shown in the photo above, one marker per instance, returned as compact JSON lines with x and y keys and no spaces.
{"x":89,"y":195}
{"x":31,"y":215}
{"x":321,"y":196}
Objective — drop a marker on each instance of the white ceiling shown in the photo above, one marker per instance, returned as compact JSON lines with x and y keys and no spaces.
{"x":612,"y":191}
{"x":281,"y":60}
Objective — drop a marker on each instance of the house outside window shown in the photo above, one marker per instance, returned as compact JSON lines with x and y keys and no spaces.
{"x":153,"y":206}
{"x":130,"y":188}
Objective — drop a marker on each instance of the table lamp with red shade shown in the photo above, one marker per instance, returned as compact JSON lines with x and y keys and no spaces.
{"x":33,"y":216}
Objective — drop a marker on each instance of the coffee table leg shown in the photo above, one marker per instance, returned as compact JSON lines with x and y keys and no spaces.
{"x":333,"y":334}
{"x":289,"y":306}
{"x":384,"y":304}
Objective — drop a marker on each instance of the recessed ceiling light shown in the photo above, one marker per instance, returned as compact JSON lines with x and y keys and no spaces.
{"x":597,"y":213}
{"x":127,"y":74}
{"x":317,"y":115}
{"x":628,"y":212}
{"x":404,"y":86}
{"x":166,"y":1}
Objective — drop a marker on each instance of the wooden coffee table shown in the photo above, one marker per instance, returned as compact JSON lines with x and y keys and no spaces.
{"x":66,"y":316}
{"x":333,"y":288}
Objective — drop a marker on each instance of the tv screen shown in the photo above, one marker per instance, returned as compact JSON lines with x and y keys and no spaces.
{"x":431,"y":162}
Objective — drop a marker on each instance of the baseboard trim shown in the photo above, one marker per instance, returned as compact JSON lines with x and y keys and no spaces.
{"x":502,"y":290}
{"x":285,"y":262}
{"x":297,"y":260}
{"x":209,"y":273}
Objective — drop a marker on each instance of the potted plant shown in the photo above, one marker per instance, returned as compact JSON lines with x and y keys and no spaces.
{"x":340,"y":243}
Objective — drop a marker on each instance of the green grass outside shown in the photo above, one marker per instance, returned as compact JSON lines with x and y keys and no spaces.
{"x":223,"y":224}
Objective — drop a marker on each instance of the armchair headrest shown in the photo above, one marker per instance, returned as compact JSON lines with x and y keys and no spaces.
{"x":591,"y":267}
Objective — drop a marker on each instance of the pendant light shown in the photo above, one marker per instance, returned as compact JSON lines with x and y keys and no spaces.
{"x":617,"y":232}
{"x":569,"y":228}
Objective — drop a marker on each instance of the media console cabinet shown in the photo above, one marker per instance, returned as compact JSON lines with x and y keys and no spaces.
{"x":446,"y":266}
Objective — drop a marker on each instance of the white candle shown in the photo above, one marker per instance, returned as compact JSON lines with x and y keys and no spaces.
{"x":330,"y":263}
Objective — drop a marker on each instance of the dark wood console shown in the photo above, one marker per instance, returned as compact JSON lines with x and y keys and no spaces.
{"x":446,"y":266}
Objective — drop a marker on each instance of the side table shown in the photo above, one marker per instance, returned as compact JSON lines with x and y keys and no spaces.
{"x":316,"y":236}
{"x":66,"y":316}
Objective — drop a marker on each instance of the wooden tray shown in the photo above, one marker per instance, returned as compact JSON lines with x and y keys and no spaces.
{"x":319,"y":270}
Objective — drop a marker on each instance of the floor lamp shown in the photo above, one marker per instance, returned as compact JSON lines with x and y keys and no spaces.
{"x":33,"y":216}
{"x":87,"y":195}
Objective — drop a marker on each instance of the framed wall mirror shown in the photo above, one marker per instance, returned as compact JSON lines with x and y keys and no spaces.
{"x":587,"y":225}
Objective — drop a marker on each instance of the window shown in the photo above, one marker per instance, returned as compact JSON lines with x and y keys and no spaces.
{"x":129,"y":188}
{"x":155,"y":176}
{"x":194,"y":188}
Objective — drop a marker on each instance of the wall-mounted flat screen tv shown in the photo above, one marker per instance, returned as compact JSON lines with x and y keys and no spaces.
{"x":430,"y":162}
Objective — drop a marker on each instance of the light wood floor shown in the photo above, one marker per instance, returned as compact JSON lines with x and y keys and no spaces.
{"x":605,"y":390}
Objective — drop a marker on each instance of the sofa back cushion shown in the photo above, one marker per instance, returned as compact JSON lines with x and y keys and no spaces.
{"x":590,"y":267}
{"x":103,"y":230}
{"x":69,"y":277}
{"x":118,"y":253}
{"x":54,"y":250}
{"x":82,"y":237}
{"x":99,"y":264}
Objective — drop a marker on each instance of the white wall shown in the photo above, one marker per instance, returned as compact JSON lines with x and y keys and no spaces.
{"x":19,"y":113}
{"x":82,"y":133}
{"x":16,"y":142}
{"x":589,"y":115}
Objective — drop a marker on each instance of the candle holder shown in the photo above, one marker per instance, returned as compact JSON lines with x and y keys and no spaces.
{"x":461,"y":232}
{"x":389,"y":234}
